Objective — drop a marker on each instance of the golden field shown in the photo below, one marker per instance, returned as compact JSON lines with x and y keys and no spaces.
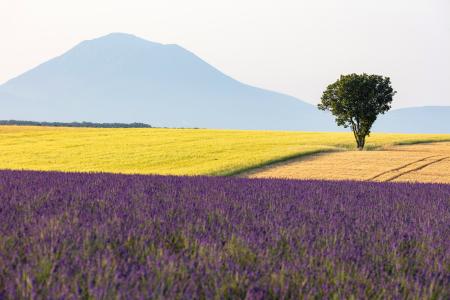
{"x":170,"y":151}
{"x":411,"y":163}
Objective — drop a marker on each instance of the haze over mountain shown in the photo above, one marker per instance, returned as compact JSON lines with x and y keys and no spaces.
{"x":122,"y":78}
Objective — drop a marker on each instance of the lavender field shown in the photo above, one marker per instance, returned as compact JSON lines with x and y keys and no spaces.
{"x":103,"y":236}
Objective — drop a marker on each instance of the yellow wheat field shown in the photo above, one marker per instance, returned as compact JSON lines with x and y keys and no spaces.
{"x":413,"y":163}
{"x":168,"y":151}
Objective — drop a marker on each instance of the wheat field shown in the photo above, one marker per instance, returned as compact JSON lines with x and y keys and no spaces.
{"x":169,"y":151}
{"x":410,"y":163}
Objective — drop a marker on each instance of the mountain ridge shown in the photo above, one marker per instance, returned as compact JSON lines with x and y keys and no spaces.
{"x":124,"y":78}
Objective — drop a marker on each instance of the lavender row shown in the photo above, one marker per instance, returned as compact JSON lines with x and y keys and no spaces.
{"x":104,"y":236}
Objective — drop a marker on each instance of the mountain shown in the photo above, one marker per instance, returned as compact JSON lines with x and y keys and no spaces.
{"x":120,"y":78}
{"x":428,"y":119}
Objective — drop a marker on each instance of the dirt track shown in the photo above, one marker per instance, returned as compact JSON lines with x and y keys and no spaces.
{"x":417,"y":163}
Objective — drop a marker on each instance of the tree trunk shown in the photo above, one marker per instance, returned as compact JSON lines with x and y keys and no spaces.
{"x":359,"y":137}
{"x":361,"y":141}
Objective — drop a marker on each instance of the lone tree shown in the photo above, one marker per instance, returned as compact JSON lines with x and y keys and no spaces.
{"x":356,"y":101}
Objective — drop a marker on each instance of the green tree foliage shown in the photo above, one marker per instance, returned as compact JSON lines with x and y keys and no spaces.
{"x":75,"y":124}
{"x":356,"y":101}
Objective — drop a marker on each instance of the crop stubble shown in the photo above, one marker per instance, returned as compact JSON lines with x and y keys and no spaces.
{"x":418,"y":163}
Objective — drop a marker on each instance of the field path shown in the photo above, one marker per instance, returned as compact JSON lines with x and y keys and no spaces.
{"x":415,"y":163}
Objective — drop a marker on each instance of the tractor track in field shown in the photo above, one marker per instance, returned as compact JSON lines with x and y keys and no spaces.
{"x":378,"y":176}
{"x":417,"y":168}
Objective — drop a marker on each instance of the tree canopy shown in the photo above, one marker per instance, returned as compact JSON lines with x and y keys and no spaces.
{"x":356,"y":101}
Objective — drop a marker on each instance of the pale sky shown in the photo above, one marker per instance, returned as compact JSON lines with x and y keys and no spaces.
{"x":292,"y":46}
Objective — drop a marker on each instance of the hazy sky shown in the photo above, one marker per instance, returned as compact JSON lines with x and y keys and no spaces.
{"x":291,"y":46}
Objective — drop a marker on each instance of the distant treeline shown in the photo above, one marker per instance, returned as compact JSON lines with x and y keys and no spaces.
{"x":75,"y":124}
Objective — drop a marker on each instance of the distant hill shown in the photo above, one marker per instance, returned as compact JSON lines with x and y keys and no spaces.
{"x":428,"y":119}
{"x":120,"y":78}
